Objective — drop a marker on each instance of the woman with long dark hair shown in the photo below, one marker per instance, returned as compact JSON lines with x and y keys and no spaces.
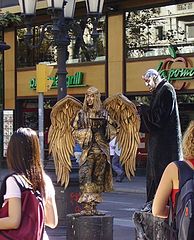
{"x":23,"y":159}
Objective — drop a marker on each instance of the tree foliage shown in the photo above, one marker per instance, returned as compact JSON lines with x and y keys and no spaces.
{"x":138,"y":28}
{"x":8,"y":19}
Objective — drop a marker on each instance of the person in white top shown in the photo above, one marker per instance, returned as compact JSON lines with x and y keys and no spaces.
{"x":23,"y":158}
{"x":116,"y":165}
{"x":112,"y":148}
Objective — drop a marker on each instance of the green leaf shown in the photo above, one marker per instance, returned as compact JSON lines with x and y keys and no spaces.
{"x":9,"y":19}
{"x":172,"y":51}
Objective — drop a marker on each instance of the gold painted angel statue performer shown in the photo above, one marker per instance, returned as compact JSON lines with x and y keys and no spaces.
{"x":93,"y":124}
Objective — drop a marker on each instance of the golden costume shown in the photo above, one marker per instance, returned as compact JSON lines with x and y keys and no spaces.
{"x":93,"y":125}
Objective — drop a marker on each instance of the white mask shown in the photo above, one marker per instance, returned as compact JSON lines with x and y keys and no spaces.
{"x":152,"y":79}
{"x":151,"y":83}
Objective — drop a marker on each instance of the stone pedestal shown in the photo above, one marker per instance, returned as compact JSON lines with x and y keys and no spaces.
{"x":89,"y":227}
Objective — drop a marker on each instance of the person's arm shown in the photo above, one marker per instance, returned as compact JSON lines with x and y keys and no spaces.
{"x":163,"y":108}
{"x":157,"y":115}
{"x":143,"y":111}
{"x":14,"y":215}
{"x":13,"y":199}
{"x":51,"y":215}
{"x":82,"y":132}
{"x":160,"y":208}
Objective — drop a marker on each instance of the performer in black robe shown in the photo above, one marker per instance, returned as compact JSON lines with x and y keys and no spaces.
{"x":161,"y":120}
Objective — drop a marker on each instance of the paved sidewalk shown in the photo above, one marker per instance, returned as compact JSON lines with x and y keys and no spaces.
{"x":137,"y":185}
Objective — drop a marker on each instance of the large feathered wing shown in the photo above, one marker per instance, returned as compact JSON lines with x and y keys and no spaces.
{"x":124,"y":113}
{"x":60,"y":137}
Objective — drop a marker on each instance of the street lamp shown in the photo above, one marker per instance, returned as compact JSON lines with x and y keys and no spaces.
{"x":62,"y":13}
{"x":94,"y":7}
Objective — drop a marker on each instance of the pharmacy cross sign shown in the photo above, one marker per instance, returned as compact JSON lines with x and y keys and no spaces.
{"x":178,"y":77}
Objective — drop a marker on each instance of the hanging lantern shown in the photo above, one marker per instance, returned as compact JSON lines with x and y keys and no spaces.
{"x":94,"y":7}
{"x":69,"y":8}
{"x":28,"y":7}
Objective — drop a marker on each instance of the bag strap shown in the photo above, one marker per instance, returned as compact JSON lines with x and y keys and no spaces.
{"x":21,"y":182}
{"x":172,"y":221}
{"x":3,"y":188}
{"x":185,"y":172}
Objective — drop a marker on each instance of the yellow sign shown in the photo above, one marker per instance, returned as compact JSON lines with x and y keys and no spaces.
{"x":43,"y":72}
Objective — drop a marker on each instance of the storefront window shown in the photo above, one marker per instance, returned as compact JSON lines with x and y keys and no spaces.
{"x":149,"y":32}
{"x":27,"y":112}
{"x":186,"y":106}
{"x":80,"y":49}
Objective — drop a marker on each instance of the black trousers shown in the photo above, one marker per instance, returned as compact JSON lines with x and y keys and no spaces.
{"x":153,"y":175}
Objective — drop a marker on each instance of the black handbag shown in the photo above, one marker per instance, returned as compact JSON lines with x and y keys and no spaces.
{"x":149,"y":227}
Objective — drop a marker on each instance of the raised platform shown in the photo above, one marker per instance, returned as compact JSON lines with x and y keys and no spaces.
{"x":89,"y":227}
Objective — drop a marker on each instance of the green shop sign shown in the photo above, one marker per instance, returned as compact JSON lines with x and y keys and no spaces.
{"x":178,"y":74}
{"x":72,"y":81}
{"x":167,"y":71}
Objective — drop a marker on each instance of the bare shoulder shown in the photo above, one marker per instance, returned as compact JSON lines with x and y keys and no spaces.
{"x":171,"y":166}
{"x":171,"y":171}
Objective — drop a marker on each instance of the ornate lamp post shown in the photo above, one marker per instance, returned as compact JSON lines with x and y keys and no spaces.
{"x":62,"y":12}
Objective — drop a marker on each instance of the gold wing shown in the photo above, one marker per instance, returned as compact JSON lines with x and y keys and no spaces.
{"x":124,"y":113}
{"x":60,"y":137}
